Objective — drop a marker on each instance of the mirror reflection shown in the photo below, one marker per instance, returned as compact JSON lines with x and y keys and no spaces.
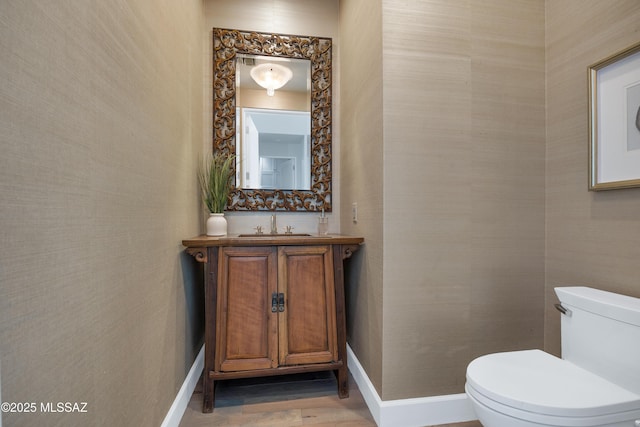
{"x":273,"y":101}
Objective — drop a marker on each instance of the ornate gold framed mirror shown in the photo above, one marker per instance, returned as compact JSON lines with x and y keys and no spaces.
{"x":234,"y":50}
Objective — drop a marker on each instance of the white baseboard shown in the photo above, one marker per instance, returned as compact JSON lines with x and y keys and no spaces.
{"x":422,"y":411}
{"x":173,"y":417}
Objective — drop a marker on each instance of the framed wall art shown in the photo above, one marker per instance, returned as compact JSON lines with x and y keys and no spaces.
{"x":614,"y":121}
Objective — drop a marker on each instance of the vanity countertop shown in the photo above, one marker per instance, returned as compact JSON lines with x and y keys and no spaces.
{"x":271,"y":240}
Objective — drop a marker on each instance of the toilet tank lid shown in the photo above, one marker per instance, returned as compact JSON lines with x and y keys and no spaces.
{"x":608,"y":304}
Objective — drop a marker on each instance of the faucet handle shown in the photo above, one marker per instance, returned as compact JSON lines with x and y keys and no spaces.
{"x":288,"y":229}
{"x":258,"y":229}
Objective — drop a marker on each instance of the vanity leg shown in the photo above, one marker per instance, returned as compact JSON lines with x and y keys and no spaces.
{"x":341,"y":321}
{"x":343,"y":382}
{"x":210,"y":304}
{"x":208,"y":394}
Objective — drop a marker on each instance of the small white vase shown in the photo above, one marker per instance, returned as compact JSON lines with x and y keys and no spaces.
{"x":216,"y":224}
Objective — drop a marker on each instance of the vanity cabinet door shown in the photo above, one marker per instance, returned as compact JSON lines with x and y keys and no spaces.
{"x":307,"y":326}
{"x":247,"y":329}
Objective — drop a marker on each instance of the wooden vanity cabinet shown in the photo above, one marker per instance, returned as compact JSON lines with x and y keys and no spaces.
{"x":276,"y":307}
{"x":273,"y":306}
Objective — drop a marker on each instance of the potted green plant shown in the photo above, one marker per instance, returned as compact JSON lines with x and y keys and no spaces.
{"x":215,"y":176}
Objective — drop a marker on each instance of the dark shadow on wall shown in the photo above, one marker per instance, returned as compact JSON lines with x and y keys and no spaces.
{"x":193,"y":279}
{"x":352,"y":274}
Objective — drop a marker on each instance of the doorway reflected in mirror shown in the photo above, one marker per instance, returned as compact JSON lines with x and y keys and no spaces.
{"x":274,"y":150}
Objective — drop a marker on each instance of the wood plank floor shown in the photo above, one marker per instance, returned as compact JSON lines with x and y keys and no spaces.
{"x":292,"y":400}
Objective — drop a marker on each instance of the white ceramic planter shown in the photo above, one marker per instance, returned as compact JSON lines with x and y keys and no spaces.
{"x":216,"y":224}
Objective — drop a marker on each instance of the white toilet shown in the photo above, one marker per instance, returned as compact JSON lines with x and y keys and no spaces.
{"x":596,"y":383}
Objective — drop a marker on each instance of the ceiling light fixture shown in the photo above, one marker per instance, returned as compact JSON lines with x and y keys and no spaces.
{"x":271,"y":76}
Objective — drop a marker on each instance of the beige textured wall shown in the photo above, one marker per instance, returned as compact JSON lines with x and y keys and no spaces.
{"x":362,"y":176}
{"x":463,"y":188}
{"x":303,"y":17}
{"x":593,"y":239}
{"x":100,"y":130}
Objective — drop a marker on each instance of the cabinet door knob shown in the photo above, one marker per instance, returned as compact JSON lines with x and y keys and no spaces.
{"x":274,"y":302}
{"x":281,"y":302}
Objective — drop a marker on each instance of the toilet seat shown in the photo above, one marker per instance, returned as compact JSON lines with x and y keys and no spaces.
{"x":535,"y":386}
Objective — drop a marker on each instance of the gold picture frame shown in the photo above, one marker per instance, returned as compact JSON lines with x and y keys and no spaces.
{"x":614,"y":121}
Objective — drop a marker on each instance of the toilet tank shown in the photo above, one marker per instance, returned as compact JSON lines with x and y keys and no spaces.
{"x":601,"y":333}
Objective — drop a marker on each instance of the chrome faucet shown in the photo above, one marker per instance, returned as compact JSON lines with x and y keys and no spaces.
{"x":274,"y":226}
